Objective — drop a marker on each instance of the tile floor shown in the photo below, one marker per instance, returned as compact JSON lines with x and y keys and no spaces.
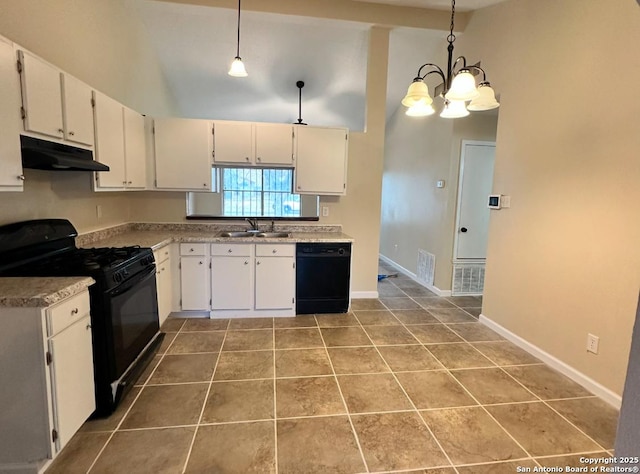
{"x":409,"y":382}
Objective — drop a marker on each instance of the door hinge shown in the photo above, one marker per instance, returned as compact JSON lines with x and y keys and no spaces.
{"x":23,"y":113}
{"x":93,"y":102}
{"x":213,"y":129}
{"x":346,"y":136}
{"x":293,"y":300}
{"x":181,"y":302}
{"x":294,"y":264}
{"x":49,"y":358}
{"x":54,"y":435}
{"x":344,"y":185}
{"x":209,"y":301}
{"x":213,"y":153}
{"x":209,"y":264}
{"x":180,"y":264}
{"x":19,"y":64}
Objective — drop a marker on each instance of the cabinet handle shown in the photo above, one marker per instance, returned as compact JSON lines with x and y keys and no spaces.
{"x":190,"y":250}
{"x":162,"y":269}
{"x":275,"y":251}
{"x":71,"y":134}
{"x":129,"y":182}
{"x":204,"y":184}
{"x":259,"y":159}
{"x":199,"y":263}
{"x":258,"y":262}
{"x":21,"y":177}
{"x":229,"y":251}
{"x":75,"y":311}
{"x":298,"y":187}
{"x":88,"y":327}
{"x":60,"y":130}
{"x":246,"y":262}
{"x":124,"y":182}
{"x":247,"y":158}
{"x":166,"y":252}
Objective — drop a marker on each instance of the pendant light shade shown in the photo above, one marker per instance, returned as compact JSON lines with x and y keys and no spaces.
{"x":454,"y":109}
{"x":421,"y":108}
{"x":463,"y":87}
{"x":237,"y":68}
{"x":486,"y":99}
{"x":417,"y":92}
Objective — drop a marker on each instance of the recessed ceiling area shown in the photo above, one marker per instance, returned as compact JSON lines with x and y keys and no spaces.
{"x":196,"y":44}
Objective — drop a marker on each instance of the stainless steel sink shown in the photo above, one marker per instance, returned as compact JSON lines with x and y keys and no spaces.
{"x":237,"y":234}
{"x":273,"y":234}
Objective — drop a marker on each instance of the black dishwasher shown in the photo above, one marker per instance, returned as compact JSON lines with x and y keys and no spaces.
{"x":322,"y":277}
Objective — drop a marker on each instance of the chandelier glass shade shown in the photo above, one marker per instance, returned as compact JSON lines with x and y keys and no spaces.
{"x":458,"y":86}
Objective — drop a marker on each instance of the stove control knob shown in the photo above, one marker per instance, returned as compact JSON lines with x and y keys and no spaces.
{"x":117,"y":277}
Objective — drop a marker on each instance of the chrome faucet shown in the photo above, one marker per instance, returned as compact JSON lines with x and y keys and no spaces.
{"x":253,"y":223}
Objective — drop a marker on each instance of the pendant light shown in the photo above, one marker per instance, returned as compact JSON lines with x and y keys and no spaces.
{"x":459,"y":86}
{"x":299,"y":85}
{"x":237,"y":66}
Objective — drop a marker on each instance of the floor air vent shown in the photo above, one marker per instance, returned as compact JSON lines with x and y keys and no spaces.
{"x":426,"y":267}
{"x":468,"y":278}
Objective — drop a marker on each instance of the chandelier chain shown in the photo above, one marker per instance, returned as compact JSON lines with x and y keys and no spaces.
{"x":451,"y":38}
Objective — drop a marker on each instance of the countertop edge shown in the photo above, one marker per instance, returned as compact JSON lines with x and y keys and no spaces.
{"x":40,"y":292}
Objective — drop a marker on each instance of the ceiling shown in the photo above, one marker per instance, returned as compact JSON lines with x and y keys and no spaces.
{"x":462,"y":5}
{"x":196,"y":44}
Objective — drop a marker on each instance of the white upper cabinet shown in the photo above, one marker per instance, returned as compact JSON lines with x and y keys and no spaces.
{"x":274,"y":144}
{"x":183,"y":154}
{"x":54,"y":103}
{"x":135,"y":149}
{"x":109,"y":131}
{"x":321,"y":160}
{"x":11,"y":176}
{"x":259,"y":144}
{"x":41,"y":96}
{"x":78,"y":111}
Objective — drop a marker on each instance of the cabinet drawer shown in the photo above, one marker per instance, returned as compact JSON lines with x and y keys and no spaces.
{"x":66,"y":313}
{"x":237,"y":250}
{"x":193,"y":249}
{"x":275,"y":250}
{"x":162,"y":254}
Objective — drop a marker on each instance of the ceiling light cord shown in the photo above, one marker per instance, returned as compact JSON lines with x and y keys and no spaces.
{"x":458,"y":86}
{"x":237,"y":68}
{"x":299,"y":85}
{"x":238,"y":43}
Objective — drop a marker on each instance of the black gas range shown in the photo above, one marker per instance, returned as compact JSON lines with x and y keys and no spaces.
{"x":124,"y":309}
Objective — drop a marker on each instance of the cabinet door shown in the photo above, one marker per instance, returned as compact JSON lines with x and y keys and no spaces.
{"x":41,"y":96}
{"x":275,"y":283}
{"x":231,"y":283}
{"x":233,"y":142}
{"x":78,"y":111}
{"x":194,"y":283}
{"x":163,"y":281}
{"x":10,"y":123}
{"x":72,"y":379}
{"x":134,"y":149}
{"x":274,"y":144}
{"x":109,"y":142}
{"x":321,"y":161}
{"x":183,"y":154}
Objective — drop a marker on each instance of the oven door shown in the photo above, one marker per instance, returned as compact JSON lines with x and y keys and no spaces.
{"x":134,"y":319}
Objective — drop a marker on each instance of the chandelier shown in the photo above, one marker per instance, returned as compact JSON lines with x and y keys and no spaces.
{"x":458,"y":87}
{"x":237,"y":66}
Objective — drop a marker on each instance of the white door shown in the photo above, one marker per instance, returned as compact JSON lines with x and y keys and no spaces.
{"x":194,"y":279}
{"x":10,"y":123}
{"x":476,"y":180}
{"x":109,"y":128}
{"x":274,"y":144}
{"x":275,"y":282}
{"x":232,"y":142}
{"x":231,"y":283}
{"x":321,"y":160}
{"x":78,"y":111}
{"x":135,"y":149}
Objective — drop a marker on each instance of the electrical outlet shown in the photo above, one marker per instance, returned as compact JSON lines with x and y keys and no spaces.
{"x":98,"y":211}
{"x":592,"y":343}
{"x":325,"y":211}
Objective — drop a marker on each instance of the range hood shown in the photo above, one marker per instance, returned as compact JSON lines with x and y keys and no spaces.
{"x":44,"y":155}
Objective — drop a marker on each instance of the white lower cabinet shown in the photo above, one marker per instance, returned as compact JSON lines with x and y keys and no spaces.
{"x":194,"y":280}
{"x":231,"y":277}
{"x":275,"y":277}
{"x":47,"y":388}
{"x":164,"y":281}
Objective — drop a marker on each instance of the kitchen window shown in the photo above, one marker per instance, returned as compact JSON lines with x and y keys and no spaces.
{"x":252,"y":192}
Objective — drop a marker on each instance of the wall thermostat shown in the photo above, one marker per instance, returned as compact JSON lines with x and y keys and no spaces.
{"x":495,"y":201}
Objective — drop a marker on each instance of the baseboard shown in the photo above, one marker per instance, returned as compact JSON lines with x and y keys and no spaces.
{"x":364,"y":295}
{"x":594,"y":387}
{"x":412,"y":275}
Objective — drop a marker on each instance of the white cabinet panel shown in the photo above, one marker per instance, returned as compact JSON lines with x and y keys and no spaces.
{"x":321,"y":160}
{"x":183,"y":154}
{"x":231,"y":283}
{"x":134,"y":149}
{"x":164,"y":281}
{"x":72,"y":378}
{"x":78,"y":111}
{"x":233,"y":142}
{"x":109,"y":142}
{"x":194,"y":281}
{"x":273,"y":144}
{"x":275,"y":283}
{"x":41,"y":96}
{"x":10,"y":121}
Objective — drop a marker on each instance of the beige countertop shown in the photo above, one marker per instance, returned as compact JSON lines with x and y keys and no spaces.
{"x":39,"y":292}
{"x":156,"y":239}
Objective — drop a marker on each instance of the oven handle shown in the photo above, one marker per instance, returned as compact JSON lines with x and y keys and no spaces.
{"x":129,"y":284}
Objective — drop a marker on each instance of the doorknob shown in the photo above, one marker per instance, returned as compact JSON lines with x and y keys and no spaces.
{"x":463,"y":229}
